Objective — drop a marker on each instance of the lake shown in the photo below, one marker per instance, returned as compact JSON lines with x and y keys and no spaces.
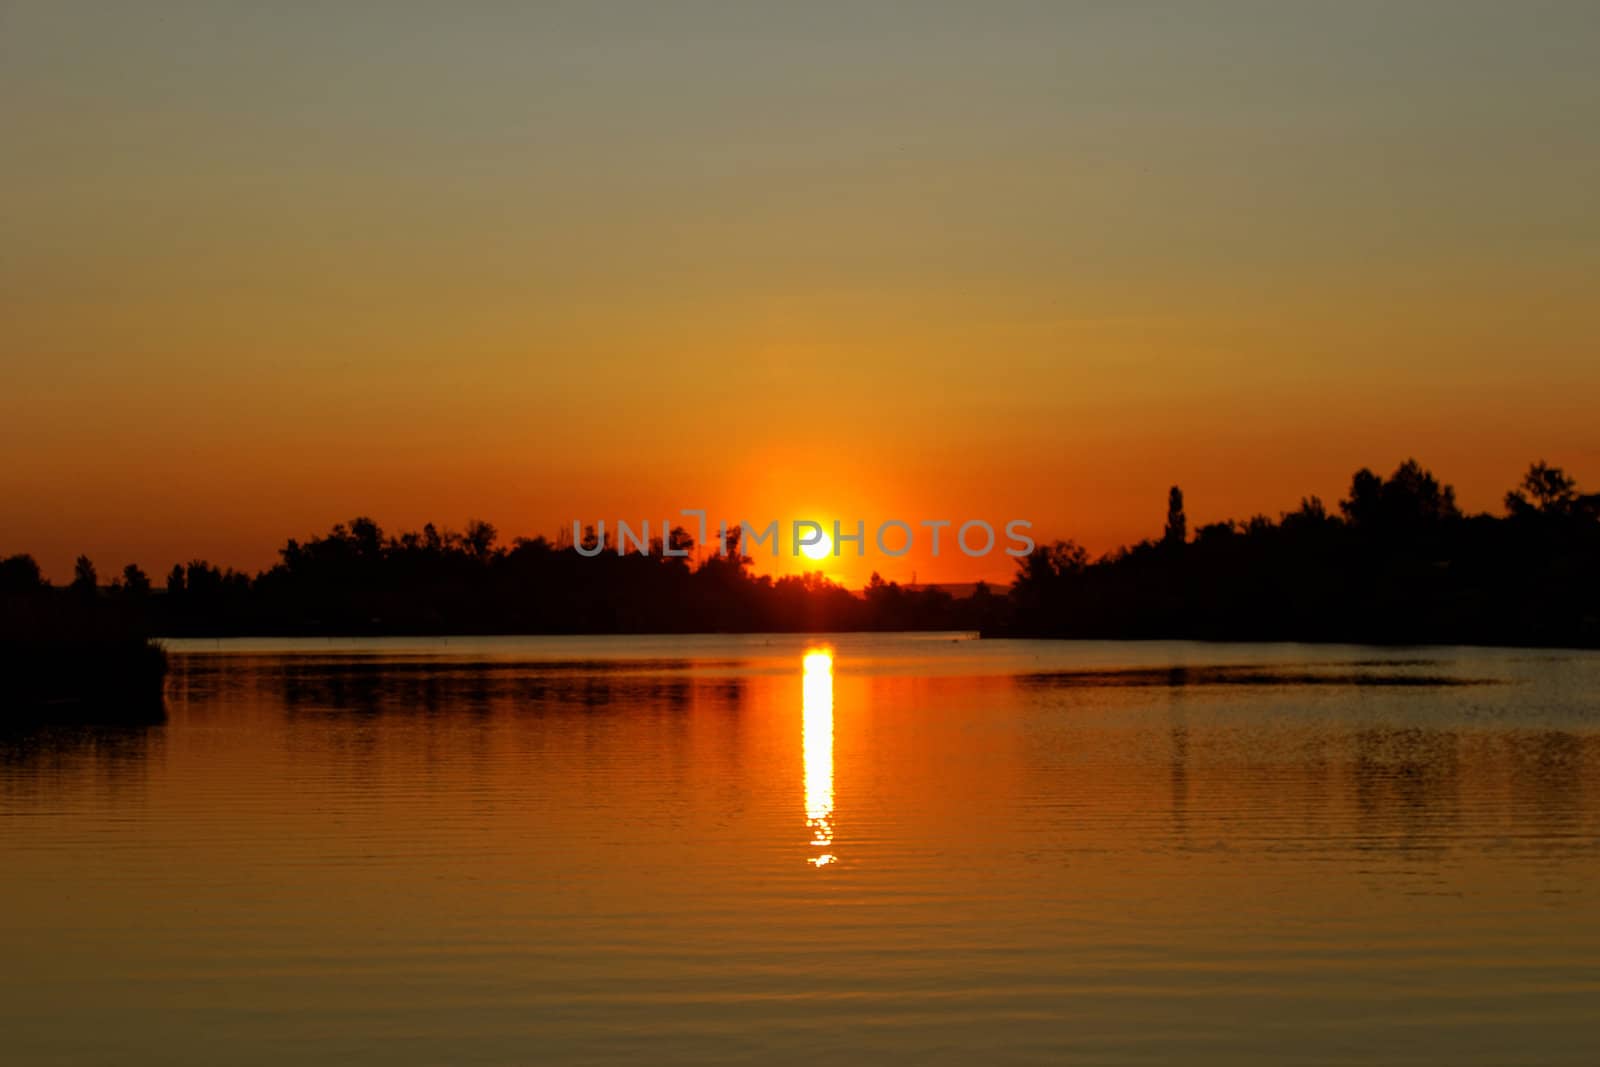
{"x":858,"y":848}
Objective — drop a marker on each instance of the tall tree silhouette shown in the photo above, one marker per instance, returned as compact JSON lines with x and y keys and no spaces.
{"x":1177,"y":531}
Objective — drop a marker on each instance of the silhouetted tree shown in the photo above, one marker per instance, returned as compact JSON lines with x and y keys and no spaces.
{"x":480,"y":538}
{"x":1362,"y":506}
{"x":134,"y":580}
{"x":1212,"y":532}
{"x":1177,"y":531}
{"x":85,"y":582}
{"x":1311,"y":514}
{"x":1552,"y":491}
{"x":20,"y":574}
{"x":1414,"y":494}
{"x":1411,"y":498}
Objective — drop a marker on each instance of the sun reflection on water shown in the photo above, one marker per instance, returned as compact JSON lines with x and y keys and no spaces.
{"x":816,"y":742}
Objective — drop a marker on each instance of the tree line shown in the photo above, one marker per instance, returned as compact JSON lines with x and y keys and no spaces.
{"x":1394,"y":561}
{"x":1397,"y":562}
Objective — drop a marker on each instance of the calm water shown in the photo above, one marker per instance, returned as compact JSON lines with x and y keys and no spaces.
{"x":723,"y":849}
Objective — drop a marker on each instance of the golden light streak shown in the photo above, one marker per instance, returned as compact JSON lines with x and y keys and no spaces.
{"x":816,"y":744}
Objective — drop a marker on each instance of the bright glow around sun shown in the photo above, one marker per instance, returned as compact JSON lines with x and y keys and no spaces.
{"x":819,"y":551}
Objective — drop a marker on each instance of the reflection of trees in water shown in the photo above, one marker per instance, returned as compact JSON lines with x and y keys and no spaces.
{"x":1424,"y":795}
{"x":1178,"y":759}
{"x":1411,"y":783}
{"x":1341,"y":675}
{"x":377,"y":686}
{"x":1407,"y":788}
{"x":357,"y":709}
{"x":367,"y":713}
{"x":1433,"y":793}
{"x":380,"y":685}
{"x":40,"y":760}
{"x":1547,"y":778}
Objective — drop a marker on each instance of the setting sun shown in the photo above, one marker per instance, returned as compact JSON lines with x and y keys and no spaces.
{"x":820,"y":549}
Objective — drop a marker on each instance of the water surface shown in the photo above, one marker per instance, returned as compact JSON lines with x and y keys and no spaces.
{"x":789,"y":849}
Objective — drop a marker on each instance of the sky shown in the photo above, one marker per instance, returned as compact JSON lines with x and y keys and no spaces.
{"x":267,"y":267}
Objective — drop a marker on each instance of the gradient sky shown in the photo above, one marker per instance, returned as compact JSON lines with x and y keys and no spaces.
{"x":265,"y":267}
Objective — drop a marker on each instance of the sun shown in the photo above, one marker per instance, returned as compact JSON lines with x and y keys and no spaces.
{"x":819,"y":551}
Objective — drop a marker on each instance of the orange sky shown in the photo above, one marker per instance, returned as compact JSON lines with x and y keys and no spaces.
{"x":264,"y":271}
